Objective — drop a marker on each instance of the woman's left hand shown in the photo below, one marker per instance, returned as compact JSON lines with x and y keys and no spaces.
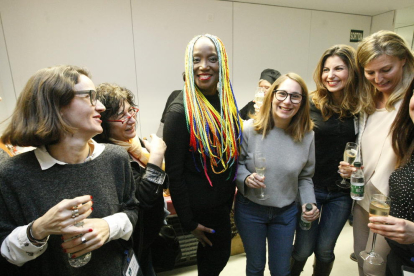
{"x":96,"y":237}
{"x":399,"y":230}
{"x":312,"y":214}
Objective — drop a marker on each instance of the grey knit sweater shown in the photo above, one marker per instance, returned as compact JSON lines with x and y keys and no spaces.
{"x":289,"y":166}
{"x":27,"y":192}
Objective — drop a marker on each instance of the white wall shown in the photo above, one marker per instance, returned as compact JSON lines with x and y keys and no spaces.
{"x":140,"y":44}
{"x":384,"y":21}
{"x":404,"y":25}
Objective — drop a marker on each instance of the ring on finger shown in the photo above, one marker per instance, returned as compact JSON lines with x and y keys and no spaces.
{"x":74,"y":207}
{"x":84,"y":240}
{"x":75,"y":213}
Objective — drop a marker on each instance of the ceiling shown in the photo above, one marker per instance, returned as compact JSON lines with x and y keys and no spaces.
{"x":363,"y":7}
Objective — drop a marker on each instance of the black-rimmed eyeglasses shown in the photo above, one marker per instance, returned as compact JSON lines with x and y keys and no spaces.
{"x":131,"y":113}
{"x":91,"y":93}
{"x":295,"y":98}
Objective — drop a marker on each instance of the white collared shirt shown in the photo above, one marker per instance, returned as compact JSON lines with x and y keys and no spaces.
{"x":18,"y":249}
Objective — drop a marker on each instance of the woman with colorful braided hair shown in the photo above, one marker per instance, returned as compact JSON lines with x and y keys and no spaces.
{"x":282,"y":132}
{"x":203,"y":132}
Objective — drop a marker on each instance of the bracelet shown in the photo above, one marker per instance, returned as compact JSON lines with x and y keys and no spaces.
{"x":31,"y":238}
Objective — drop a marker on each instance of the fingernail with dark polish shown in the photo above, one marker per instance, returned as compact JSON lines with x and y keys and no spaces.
{"x":73,"y":256}
{"x":64,"y":250}
{"x":213,"y":231}
{"x":91,"y":197}
{"x":92,"y":208}
{"x":90,"y":230}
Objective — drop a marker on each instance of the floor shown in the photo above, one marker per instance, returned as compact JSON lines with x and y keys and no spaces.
{"x":343,"y":266}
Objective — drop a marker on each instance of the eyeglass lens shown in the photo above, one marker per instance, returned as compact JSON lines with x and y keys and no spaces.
{"x":294,"y":97}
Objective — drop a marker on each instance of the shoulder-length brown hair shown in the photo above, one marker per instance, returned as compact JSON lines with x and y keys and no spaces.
{"x":113,"y":97}
{"x":300,"y":123}
{"x":402,"y":130}
{"x":36,"y":119}
{"x":353,"y":101}
{"x":376,"y":45}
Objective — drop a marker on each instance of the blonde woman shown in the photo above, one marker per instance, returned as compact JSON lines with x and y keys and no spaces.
{"x":386,"y":67}
{"x":283,"y":132}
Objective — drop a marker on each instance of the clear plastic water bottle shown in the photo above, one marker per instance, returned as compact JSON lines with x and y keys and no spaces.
{"x":303,"y":223}
{"x":357,"y":182}
{"x":80,"y":260}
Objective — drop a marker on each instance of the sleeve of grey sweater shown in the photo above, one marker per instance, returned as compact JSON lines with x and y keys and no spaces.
{"x":305,"y":184}
{"x":242,"y":171}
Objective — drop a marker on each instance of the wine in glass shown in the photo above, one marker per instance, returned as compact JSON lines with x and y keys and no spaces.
{"x":350,"y":154}
{"x":379,"y":206}
{"x":260,"y":166}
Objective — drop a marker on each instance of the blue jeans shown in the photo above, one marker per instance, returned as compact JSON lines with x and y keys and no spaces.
{"x":256,"y":223}
{"x":335,"y":208}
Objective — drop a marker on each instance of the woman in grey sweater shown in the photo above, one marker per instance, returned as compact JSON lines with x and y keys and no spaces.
{"x":46,"y":195}
{"x":282,"y":131}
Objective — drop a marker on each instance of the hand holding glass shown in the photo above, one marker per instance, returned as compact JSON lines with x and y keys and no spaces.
{"x":260,"y":165}
{"x":350,"y":154}
{"x":379,"y":206}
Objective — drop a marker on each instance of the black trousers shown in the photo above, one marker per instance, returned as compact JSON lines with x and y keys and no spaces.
{"x":211,"y":260}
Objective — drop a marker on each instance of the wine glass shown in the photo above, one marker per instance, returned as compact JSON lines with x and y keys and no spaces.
{"x":379,"y":206}
{"x":260,"y":166}
{"x":350,"y":153}
{"x":259,"y":97}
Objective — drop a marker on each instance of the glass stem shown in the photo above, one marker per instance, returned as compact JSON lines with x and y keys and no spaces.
{"x":374,"y":239}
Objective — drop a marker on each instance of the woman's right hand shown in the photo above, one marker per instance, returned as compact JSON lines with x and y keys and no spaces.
{"x":255,"y":181}
{"x":345,"y":169}
{"x":156,"y":148}
{"x":58,"y":219}
{"x":200,"y":236}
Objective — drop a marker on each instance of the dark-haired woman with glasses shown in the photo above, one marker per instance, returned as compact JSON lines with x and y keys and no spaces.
{"x":119,"y":123}
{"x":282,"y":132}
{"x":46,"y":195}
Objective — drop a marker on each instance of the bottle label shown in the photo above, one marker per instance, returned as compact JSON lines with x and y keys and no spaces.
{"x":357,"y":190}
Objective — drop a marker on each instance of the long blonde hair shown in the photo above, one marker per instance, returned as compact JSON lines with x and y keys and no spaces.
{"x":376,"y":45}
{"x":300,"y":123}
{"x":353,"y":101}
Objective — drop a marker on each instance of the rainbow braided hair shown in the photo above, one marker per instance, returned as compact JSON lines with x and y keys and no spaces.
{"x":216,"y":136}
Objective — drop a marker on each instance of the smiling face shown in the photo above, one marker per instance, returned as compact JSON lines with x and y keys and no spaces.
{"x":206,"y":66}
{"x":334,"y":74}
{"x":283,"y":111}
{"x":125,"y":131}
{"x":80,"y":114}
{"x":385,"y":73}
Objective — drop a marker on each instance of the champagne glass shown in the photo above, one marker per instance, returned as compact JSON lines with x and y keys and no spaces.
{"x":259,"y":98}
{"x":260,"y":166}
{"x":350,"y":153}
{"x":379,"y":206}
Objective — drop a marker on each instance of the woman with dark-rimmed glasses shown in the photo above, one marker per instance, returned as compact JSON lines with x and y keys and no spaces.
{"x":119,"y":123}
{"x":282,"y":132}
{"x":46,"y":195}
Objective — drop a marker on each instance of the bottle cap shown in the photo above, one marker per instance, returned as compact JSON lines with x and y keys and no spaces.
{"x":308,"y":207}
{"x":357,"y":164}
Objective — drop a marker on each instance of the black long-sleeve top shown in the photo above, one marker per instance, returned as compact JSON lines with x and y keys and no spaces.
{"x":331,"y":137}
{"x":190,"y":190}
